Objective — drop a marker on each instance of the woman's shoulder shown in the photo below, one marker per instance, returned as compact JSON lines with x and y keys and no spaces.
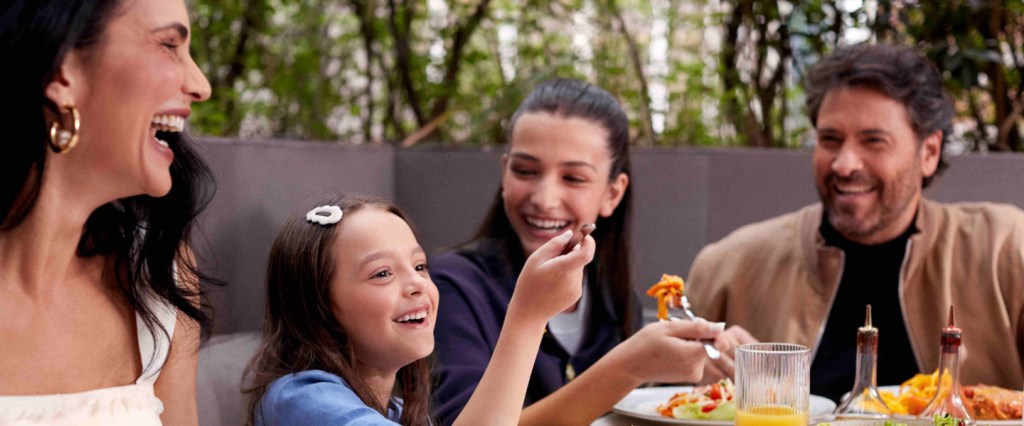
{"x":478,"y":274}
{"x":481,"y":257}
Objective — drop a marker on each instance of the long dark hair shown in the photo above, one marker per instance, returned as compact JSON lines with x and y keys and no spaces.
{"x":300,"y":332}
{"x":144,"y":236}
{"x":576,"y":99}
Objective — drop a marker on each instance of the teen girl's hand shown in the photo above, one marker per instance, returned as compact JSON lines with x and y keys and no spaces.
{"x":551,"y":282}
{"x":668,"y":351}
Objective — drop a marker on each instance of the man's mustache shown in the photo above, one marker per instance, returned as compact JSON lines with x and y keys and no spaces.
{"x":854,"y":178}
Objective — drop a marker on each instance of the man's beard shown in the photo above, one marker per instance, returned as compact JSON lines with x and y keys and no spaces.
{"x":893,"y":198}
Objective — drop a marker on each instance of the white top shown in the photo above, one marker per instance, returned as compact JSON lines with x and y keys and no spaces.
{"x":133,"y":404}
{"x":567,"y":327}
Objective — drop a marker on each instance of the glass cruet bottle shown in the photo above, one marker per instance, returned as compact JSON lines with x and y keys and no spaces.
{"x":947,"y":400}
{"x":864,"y":402}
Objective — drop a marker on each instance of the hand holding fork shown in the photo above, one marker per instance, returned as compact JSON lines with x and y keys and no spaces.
{"x":683,"y":304}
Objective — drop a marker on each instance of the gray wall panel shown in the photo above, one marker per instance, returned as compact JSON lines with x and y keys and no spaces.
{"x":670,"y":214}
{"x":684,"y":199}
{"x":446,"y":191}
{"x":750,"y":185}
{"x":258,"y":185}
{"x":993,"y":177}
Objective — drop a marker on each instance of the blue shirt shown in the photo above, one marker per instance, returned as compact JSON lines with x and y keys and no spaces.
{"x":316,"y":397}
{"x":476,"y":284}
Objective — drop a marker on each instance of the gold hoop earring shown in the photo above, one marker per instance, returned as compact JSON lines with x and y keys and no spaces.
{"x":62,"y":139}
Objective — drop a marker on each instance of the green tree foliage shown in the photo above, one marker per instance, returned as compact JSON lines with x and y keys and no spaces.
{"x":977,"y":45}
{"x":689,"y":72}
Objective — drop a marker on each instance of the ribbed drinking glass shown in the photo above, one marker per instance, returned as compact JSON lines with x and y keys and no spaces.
{"x":773,"y":384}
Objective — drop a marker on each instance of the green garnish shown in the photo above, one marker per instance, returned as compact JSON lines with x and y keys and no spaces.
{"x":946,"y":420}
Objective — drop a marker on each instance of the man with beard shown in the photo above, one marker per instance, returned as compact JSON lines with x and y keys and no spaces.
{"x":805,"y":277}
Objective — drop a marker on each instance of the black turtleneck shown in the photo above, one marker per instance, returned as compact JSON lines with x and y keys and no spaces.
{"x":871,"y":275}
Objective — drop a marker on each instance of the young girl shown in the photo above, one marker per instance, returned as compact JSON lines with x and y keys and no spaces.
{"x":567,"y":165}
{"x":350,"y":319}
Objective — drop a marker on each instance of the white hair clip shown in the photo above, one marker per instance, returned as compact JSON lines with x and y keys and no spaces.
{"x":324,"y":215}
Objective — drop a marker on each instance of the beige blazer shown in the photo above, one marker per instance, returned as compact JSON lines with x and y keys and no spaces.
{"x":778,"y":280}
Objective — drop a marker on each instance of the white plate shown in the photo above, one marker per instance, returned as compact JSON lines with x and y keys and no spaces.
{"x":896,"y":390}
{"x":643,"y":404}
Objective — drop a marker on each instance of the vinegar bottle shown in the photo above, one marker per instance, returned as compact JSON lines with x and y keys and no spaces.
{"x":864,"y":402}
{"x":947,"y":400}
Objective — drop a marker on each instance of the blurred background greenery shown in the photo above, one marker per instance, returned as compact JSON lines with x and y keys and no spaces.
{"x":689,"y":72}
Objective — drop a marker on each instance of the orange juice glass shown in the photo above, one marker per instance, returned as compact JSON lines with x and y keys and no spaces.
{"x":771,"y":415}
{"x":773,"y":384}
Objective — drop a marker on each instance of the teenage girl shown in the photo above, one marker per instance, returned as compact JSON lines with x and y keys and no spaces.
{"x":567,"y":165}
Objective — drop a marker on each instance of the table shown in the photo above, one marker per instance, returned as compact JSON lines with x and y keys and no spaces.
{"x":614,"y":419}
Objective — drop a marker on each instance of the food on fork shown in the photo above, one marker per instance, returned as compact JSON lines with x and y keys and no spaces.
{"x":667,"y":291}
{"x":985,"y":402}
{"x":708,"y":402}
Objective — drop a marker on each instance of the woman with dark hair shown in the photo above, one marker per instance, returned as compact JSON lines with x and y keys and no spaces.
{"x":99,"y":192}
{"x":350,"y":322}
{"x":567,"y":165}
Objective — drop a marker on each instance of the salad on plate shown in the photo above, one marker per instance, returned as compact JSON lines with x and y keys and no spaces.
{"x":707,"y":402}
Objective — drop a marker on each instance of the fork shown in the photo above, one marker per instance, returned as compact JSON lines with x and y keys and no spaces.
{"x":683,"y":304}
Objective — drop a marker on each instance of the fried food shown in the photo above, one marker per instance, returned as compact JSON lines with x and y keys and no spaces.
{"x":993,"y":403}
{"x":985,"y":402}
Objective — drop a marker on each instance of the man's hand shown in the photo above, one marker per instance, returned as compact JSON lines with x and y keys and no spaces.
{"x":727,"y":342}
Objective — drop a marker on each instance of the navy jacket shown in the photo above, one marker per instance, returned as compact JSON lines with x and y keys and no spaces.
{"x":476,"y":284}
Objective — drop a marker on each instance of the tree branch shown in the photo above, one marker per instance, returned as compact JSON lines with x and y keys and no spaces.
{"x":730,"y":75}
{"x":648,"y":137}
{"x":364,"y":12}
{"x":251,"y":24}
{"x":459,"y":42}
{"x":778,"y":80}
{"x":403,"y":54}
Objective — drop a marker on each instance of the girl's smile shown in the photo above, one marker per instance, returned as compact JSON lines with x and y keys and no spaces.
{"x":555,"y":177}
{"x":416,"y":318}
